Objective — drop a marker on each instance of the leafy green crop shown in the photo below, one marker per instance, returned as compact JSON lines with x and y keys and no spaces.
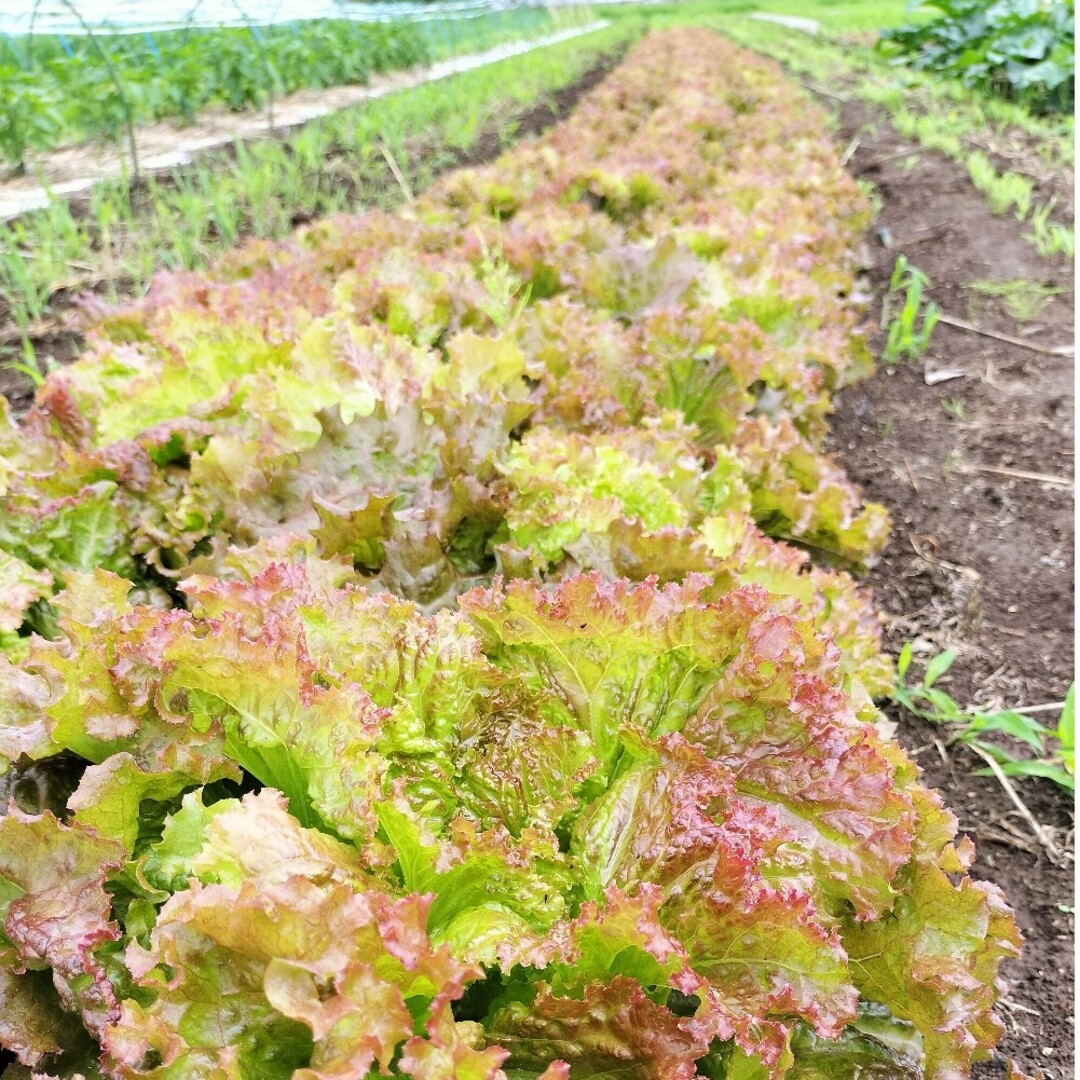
{"x":558,"y":797}
{"x":416,"y":660}
{"x":30,"y":115}
{"x":1023,"y":49}
{"x":49,"y":97}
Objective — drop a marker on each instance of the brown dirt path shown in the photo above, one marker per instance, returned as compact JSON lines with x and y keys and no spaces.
{"x":980,"y":561}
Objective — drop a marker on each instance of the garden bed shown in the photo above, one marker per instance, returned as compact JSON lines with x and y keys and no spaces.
{"x":163,"y":146}
{"x":447,"y":616}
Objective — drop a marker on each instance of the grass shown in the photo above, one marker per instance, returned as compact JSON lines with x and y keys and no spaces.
{"x":338,"y":163}
{"x":1022,"y":298}
{"x":1004,"y":191}
{"x":955,"y":407}
{"x":839,"y":15}
{"x":1051,"y":237}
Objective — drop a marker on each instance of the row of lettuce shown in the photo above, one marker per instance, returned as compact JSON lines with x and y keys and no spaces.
{"x":416,"y":660}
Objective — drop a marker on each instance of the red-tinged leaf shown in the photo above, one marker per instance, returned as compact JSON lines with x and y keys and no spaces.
{"x":356,"y":1028}
{"x":449,"y":1054}
{"x":934,"y":959}
{"x":568,"y":490}
{"x":668,"y":554}
{"x":612,"y":1028}
{"x":515,"y":770}
{"x":56,"y":914}
{"x":734,"y":896}
{"x":622,"y":934}
{"x":33,"y":1023}
{"x":616,"y":653}
{"x":280,"y":556}
{"x":768,"y":959}
{"x":309,"y":741}
{"x":20,"y":586}
{"x":496,"y":895}
{"x":557,"y":1070}
{"x":263,"y":582}
{"x":357,"y":532}
{"x":87,"y":714}
{"x":24,"y":726}
{"x":827,"y":776}
{"x":267,"y":979}
{"x":110,"y":796}
{"x":669,"y":269}
{"x":429,"y":673}
{"x":255,"y":839}
{"x":665,"y":820}
{"x":102,"y":678}
{"x":799,"y":493}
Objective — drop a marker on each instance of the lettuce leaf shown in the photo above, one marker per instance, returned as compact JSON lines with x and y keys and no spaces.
{"x":56,"y":917}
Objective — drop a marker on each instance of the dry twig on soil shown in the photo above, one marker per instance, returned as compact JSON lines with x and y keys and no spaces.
{"x":1045,"y":350}
{"x":1040,"y":831}
{"x":1020,"y":474}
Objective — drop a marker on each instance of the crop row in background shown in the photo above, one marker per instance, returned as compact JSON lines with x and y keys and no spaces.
{"x":56,"y":90}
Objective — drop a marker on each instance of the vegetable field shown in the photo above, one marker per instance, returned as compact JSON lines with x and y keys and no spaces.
{"x":100,"y":86}
{"x":435,"y":641}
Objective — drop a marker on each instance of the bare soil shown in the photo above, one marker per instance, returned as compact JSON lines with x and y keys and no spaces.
{"x":980,"y":560}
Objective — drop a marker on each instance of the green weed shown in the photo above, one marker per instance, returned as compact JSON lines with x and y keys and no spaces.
{"x":1004,"y":191}
{"x":1050,"y":237}
{"x":1023,"y":298}
{"x":1051,"y":750}
{"x":905,"y":337}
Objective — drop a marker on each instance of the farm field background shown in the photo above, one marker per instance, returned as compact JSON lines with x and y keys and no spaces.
{"x":561,"y":571}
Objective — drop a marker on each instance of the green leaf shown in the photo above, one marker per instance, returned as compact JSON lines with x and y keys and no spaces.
{"x":904,"y":660}
{"x":1045,"y":769}
{"x":1066,"y":729}
{"x":938,"y":666}
{"x":1021,"y":727}
{"x":114,"y":797}
{"x":415,"y":860}
{"x":168,"y":864}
